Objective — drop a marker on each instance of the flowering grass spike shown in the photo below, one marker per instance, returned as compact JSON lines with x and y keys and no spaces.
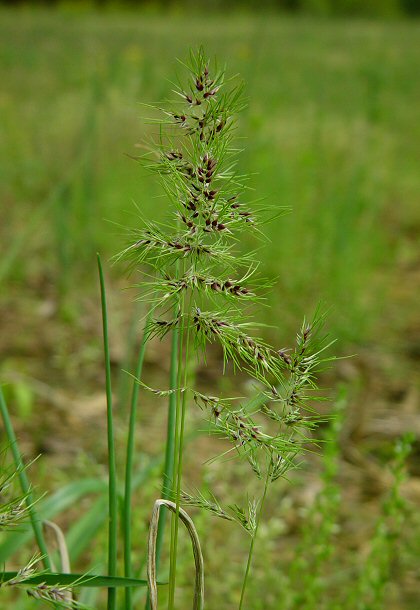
{"x":202,"y":286}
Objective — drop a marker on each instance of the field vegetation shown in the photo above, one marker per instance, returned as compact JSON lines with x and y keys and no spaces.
{"x":330,"y":133}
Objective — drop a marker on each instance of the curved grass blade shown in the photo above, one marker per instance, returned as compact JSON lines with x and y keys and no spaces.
{"x":198,"y":603}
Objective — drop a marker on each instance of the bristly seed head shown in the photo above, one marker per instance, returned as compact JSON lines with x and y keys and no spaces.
{"x":285,"y":357}
{"x":195,"y":264}
{"x":173,"y":154}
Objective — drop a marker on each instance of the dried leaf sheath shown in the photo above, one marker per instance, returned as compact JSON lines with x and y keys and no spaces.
{"x":198,"y":603}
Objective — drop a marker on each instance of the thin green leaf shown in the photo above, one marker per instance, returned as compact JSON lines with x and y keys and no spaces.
{"x":112,"y":471}
{"x":48,"y":508}
{"x":60,"y":579}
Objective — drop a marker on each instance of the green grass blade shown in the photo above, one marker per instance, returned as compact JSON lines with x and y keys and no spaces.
{"x":61,"y":579}
{"x":168,"y":472}
{"x":128,"y":568}
{"x":89,"y":595}
{"x":24,"y":482}
{"x":80,"y":535}
{"x":85,"y":529}
{"x":179,"y":447}
{"x":48,"y":508}
{"x":169,"y":466}
{"x":113,"y":496}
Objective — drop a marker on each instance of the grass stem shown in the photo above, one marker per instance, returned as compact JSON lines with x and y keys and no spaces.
{"x":169,"y":467}
{"x":182,"y":401}
{"x":112,"y":474}
{"x":128,"y":570}
{"x":174,"y":529}
{"x":251,"y":547}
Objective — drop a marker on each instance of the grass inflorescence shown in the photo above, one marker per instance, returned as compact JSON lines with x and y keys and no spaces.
{"x":197,"y":284}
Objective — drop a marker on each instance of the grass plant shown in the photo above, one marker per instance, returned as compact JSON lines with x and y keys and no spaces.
{"x":204,"y":292}
{"x":385,"y":545}
{"x":48,"y":585}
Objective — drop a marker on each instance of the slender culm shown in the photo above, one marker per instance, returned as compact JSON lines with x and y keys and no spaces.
{"x":112,"y":470}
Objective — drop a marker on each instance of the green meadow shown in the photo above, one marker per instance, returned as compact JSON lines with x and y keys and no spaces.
{"x":330,"y":134}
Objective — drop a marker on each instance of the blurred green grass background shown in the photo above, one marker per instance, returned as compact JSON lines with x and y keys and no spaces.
{"x":330,"y":131}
